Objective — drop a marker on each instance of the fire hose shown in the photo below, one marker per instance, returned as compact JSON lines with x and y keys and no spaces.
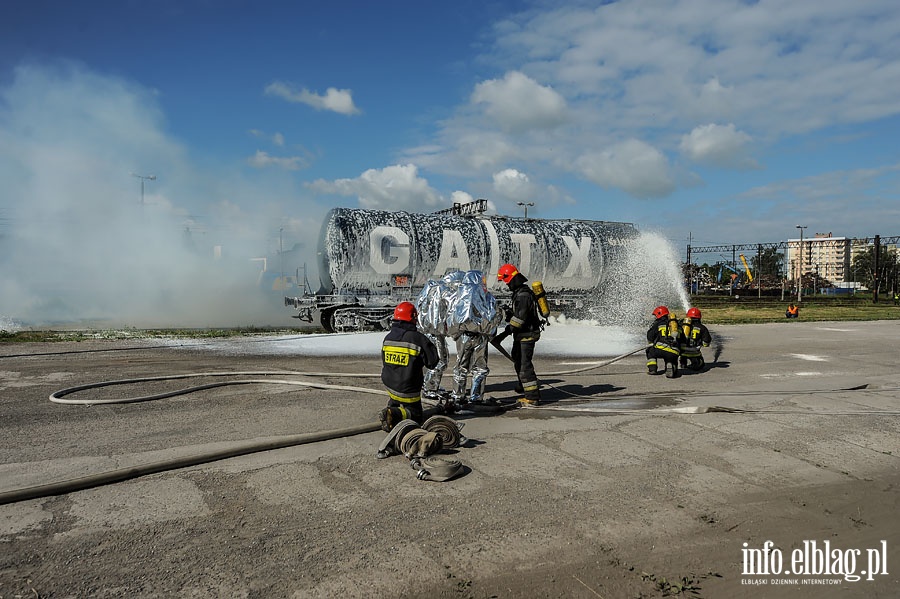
{"x":449,"y":436}
{"x":244,"y":448}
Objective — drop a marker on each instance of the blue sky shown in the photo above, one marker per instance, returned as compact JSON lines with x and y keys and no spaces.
{"x":731,"y":121}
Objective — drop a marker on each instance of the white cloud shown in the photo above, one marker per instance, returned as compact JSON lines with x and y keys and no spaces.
{"x":275,"y":138}
{"x":653,"y":70}
{"x":396,"y":187}
{"x":718,"y":145}
{"x":264,"y":159}
{"x":633,"y":166}
{"x":513,"y":185}
{"x":335,"y":100}
{"x":518,"y":103}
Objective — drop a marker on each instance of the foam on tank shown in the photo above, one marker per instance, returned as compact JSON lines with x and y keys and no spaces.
{"x":361,"y":250}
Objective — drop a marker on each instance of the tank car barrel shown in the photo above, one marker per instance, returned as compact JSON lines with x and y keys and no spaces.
{"x":364,"y":248}
{"x":375,"y":258}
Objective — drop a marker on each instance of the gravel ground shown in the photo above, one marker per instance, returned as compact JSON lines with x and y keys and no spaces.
{"x":605,"y":492}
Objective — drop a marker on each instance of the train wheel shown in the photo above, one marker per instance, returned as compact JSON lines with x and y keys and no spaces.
{"x":327,"y":319}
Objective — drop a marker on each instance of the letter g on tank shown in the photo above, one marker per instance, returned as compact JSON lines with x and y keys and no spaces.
{"x":388,"y":250}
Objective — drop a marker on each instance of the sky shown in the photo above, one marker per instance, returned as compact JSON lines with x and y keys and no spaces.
{"x":714,"y":121}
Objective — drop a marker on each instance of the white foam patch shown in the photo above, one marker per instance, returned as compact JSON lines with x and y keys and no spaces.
{"x":571,"y":338}
{"x":9,"y":325}
{"x":810,"y":357}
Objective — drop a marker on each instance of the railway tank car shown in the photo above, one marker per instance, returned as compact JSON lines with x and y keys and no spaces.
{"x":370,"y":260}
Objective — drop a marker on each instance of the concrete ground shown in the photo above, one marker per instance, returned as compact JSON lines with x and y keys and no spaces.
{"x":624,"y":485}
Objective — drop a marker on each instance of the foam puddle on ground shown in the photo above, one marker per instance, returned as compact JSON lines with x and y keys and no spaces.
{"x":608,"y":406}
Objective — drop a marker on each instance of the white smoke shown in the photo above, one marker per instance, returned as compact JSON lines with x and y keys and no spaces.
{"x":78,"y":245}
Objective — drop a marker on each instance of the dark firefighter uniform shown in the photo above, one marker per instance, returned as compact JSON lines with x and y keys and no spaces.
{"x":695,"y":336}
{"x":665,"y":344}
{"x":525,"y":326}
{"x":404,"y":353}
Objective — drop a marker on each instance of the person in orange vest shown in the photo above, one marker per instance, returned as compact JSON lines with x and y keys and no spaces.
{"x":792,"y":311}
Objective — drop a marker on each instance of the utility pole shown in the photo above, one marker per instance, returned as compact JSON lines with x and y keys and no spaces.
{"x":876,"y":266}
{"x":143,"y":178}
{"x":734,"y":280}
{"x":281,"y":262}
{"x":690,"y":266}
{"x":759,"y":271}
{"x":800,"y":266}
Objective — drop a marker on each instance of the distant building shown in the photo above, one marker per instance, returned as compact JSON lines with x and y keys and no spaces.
{"x":826,"y":256}
{"x":823,"y":254}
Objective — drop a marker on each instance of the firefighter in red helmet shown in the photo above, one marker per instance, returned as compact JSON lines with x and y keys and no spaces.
{"x":695,"y":336}
{"x":405,"y":352}
{"x":664,"y":337}
{"x":525,"y":327}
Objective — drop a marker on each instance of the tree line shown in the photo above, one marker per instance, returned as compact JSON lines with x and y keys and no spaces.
{"x":769,"y":270}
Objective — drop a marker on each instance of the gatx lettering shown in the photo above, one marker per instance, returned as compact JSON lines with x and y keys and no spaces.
{"x":390,"y":252}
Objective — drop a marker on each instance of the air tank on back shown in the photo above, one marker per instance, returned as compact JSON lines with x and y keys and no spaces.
{"x":374,"y":250}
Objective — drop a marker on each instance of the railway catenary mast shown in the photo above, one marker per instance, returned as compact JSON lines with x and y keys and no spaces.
{"x":370,"y":260}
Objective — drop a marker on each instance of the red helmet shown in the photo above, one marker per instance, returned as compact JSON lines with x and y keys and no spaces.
{"x":405,"y":311}
{"x":660,"y":311}
{"x":506,"y":273}
{"x":693,"y":313}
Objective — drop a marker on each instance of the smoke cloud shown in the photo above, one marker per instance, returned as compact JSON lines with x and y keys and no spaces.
{"x":79,"y":241}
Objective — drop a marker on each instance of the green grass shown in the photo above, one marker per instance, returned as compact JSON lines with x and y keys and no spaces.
{"x":741,"y":312}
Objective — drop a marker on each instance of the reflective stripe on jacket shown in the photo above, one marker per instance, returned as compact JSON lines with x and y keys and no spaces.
{"x":405,"y":352}
{"x":659,"y":335}
{"x":525,"y":321}
{"x":695,"y":335}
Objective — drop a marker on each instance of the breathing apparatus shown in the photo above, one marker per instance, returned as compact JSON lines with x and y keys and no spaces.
{"x":541,"y":296}
{"x":674,"y":329}
{"x":686,"y":327}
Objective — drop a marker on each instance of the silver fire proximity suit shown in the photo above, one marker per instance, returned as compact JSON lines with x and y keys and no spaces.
{"x":431,"y":388}
{"x":471,"y":358}
{"x":432,"y":307}
{"x":472,"y":319}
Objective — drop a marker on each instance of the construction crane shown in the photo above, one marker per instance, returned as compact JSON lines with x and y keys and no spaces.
{"x":747,"y":267}
{"x":735,"y":277}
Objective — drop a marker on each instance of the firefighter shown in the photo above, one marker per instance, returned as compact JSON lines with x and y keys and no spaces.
{"x":404,"y":353}
{"x":473,"y":316}
{"x":432,"y":386}
{"x":664,"y":336}
{"x":431,"y":306}
{"x":695,"y":335}
{"x":525,"y":326}
{"x":471,"y":358}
